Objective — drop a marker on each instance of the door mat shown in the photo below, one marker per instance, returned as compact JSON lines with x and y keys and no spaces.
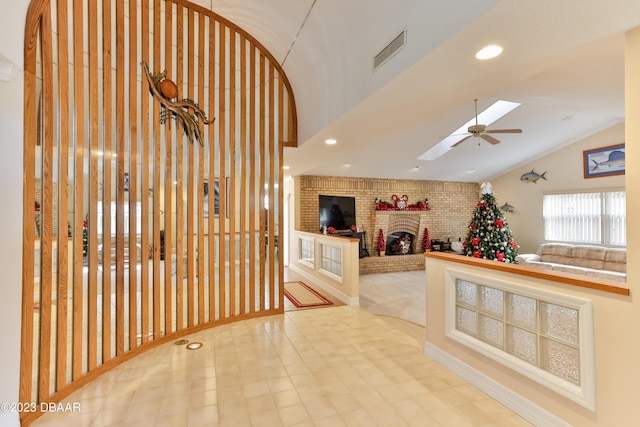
{"x":302,"y":296}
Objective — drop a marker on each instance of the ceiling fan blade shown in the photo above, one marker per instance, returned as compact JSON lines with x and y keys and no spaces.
{"x":504,"y":131}
{"x":489,"y":139}
{"x":461,"y":141}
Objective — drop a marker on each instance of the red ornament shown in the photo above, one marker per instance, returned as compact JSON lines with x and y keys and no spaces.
{"x":500,"y":256}
{"x":499,"y":223}
{"x":477,"y":254}
{"x":475,"y":241}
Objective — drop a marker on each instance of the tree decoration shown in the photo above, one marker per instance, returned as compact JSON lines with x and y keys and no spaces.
{"x":426,"y":242}
{"x":489,"y":236}
{"x":381,"y":244}
{"x":186,"y":111}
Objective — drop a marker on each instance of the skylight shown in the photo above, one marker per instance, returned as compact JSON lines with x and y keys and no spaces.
{"x":494,"y":112}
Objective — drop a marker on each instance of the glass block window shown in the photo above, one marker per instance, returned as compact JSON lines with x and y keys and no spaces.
{"x":307,"y":251}
{"x":331,"y":259}
{"x":546,"y":336}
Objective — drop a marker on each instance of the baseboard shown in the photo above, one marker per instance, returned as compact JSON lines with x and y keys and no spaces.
{"x":525,"y":408}
{"x":351,"y":301}
{"x":11,"y":419}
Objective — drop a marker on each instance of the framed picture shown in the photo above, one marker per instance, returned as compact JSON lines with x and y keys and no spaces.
{"x":605,"y":161}
{"x":206,"y":191}
{"x":216,"y":196}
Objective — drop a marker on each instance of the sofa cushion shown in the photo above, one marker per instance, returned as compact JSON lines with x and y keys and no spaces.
{"x":559,"y":253}
{"x":609,"y":275}
{"x":616,"y":260}
{"x":588,"y":257}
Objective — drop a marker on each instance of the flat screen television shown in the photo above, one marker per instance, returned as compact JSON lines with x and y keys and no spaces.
{"x":338,"y":212}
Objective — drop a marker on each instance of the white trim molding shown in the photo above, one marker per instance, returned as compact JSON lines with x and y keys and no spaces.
{"x":528,"y":410}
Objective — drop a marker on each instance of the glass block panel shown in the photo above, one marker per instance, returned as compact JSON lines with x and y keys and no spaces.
{"x":466,"y":321}
{"x":491,"y":331}
{"x":560,"y":360}
{"x":521,"y":311}
{"x":466,"y":293}
{"x":491,"y":301}
{"x":559,"y":322}
{"x":522,"y":344}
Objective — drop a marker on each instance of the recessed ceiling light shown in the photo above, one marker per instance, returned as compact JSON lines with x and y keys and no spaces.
{"x":489,"y":52}
{"x":194,"y":346}
{"x":285,"y":167}
{"x":471,"y":171}
{"x":330,"y":141}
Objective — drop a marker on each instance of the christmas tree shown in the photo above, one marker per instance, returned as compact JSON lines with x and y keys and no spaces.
{"x":489,"y":235}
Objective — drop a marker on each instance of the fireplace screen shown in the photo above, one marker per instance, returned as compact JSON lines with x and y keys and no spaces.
{"x":400,"y":243}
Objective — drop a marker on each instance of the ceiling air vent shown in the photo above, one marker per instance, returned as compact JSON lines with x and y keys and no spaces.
{"x":391,"y":49}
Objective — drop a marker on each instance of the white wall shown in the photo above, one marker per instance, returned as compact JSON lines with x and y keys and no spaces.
{"x":564,"y":172}
{"x":11,"y":105}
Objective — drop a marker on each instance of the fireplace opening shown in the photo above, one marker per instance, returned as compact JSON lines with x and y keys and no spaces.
{"x":400,"y":243}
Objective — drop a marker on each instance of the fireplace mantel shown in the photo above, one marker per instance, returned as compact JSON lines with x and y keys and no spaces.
{"x":411,"y":221}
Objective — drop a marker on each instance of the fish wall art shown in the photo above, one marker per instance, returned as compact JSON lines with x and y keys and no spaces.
{"x":605,"y":161}
{"x":532,"y":176}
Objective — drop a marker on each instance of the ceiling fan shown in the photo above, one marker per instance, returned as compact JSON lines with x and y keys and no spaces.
{"x":482,"y":131}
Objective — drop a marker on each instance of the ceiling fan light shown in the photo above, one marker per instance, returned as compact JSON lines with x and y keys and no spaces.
{"x":489,"y":52}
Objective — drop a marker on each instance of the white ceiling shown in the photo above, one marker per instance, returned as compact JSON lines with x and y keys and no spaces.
{"x":563,"y":60}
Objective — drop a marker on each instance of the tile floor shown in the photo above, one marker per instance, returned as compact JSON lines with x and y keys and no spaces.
{"x":338,"y":366}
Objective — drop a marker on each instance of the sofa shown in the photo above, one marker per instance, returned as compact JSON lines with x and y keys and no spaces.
{"x":592,"y":261}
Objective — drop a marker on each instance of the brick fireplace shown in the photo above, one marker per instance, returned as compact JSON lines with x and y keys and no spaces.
{"x":411,"y":222}
{"x":396,"y":222}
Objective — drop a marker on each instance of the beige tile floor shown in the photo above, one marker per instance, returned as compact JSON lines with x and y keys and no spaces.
{"x":338,"y":366}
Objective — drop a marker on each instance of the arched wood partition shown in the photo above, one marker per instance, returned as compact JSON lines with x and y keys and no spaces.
{"x":100,"y":163}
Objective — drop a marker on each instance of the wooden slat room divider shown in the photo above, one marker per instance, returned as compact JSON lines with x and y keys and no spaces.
{"x":136,"y":234}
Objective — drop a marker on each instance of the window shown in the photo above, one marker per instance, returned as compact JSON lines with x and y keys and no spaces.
{"x":597,"y":218}
{"x":543,"y":335}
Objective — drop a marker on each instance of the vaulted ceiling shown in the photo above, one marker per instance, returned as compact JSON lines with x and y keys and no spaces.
{"x":563,"y":60}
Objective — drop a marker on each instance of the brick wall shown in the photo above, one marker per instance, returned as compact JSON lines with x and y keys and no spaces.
{"x":452,"y":203}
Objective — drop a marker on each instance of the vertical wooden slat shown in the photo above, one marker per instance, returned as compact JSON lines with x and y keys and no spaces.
{"x":179,"y":176}
{"x":168,"y":183}
{"x":232,"y":173}
{"x":212,"y":169}
{"x":252,"y":178}
{"x":243,"y":174}
{"x":272,"y":153}
{"x":120,"y":143}
{"x":281,"y":205}
{"x":46,"y":240}
{"x":107,"y":94}
{"x":92,"y":295}
{"x":190,"y":177}
{"x":144,"y":179}
{"x":32,"y":40}
{"x":261,"y":182}
{"x":198,"y":192}
{"x":133,"y":174}
{"x":157,"y":172}
{"x":79,"y":100}
{"x":222,"y":143}
{"x":63,"y":195}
